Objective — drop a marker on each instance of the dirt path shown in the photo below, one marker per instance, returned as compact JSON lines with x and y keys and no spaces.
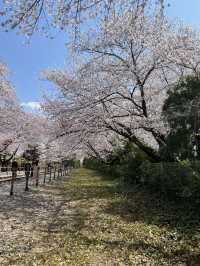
{"x":87,"y":220}
{"x":28,"y":220}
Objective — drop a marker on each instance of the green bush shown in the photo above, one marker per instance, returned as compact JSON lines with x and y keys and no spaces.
{"x":72,"y":163}
{"x":179,"y":180}
{"x":92,"y":163}
{"x":76,"y":164}
{"x":124,"y":162}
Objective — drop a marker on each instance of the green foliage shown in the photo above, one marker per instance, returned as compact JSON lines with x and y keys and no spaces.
{"x":77,"y":164}
{"x":20,"y":160}
{"x":124,"y":162}
{"x":181,"y":112}
{"x":4,"y":159}
{"x":31,"y":154}
{"x":72,"y":163}
{"x":92,"y":163}
{"x":176,"y":180}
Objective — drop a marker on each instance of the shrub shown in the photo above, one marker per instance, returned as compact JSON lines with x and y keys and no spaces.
{"x":179,"y":180}
{"x":124,"y":162}
{"x":92,"y":163}
{"x":72,"y":163}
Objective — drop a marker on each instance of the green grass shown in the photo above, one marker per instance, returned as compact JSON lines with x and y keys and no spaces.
{"x":98,"y":223}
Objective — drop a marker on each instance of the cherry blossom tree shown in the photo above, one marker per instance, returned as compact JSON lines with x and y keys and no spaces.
{"x":44,"y":15}
{"x":16,"y":126}
{"x":20,"y":129}
{"x":75,"y":130}
{"x":8,"y":111}
{"x":131,"y":63}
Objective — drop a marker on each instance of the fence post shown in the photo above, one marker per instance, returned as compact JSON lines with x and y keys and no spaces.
{"x":62,"y":173}
{"x":27,"y":178}
{"x":14,"y":175}
{"x":45,"y":173}
{"x":54,"y":173}
{"x":61,"y":170}
{"x":50,"y":174}
{"x":27,"y":170}
{"x":58,"y":172}
{"x":37,"y":177}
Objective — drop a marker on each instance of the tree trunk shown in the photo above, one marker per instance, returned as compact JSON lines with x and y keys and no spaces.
{"x":150,"y":152}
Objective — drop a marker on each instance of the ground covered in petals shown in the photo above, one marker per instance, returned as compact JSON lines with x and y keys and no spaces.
{"x":87,"y":219}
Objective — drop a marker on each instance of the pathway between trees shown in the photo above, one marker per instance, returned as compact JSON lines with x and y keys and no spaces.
{"x":86,"y":220}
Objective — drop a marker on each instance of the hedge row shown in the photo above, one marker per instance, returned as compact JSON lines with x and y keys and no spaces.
{"x":177,"y":180}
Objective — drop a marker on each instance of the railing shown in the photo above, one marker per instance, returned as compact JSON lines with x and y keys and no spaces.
{"x":6,"y":172}
{"x":44,"y":174}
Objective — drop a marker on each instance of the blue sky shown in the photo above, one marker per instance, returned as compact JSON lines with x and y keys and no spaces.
{"x":27,"y":61}
{"x":187,"y":10}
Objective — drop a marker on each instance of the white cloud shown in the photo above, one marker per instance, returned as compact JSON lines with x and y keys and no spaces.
{"x":31,"y":105}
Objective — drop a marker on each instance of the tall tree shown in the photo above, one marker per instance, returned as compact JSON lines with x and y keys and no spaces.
{"x":10,"y":117}
{"x":131,"y":63}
